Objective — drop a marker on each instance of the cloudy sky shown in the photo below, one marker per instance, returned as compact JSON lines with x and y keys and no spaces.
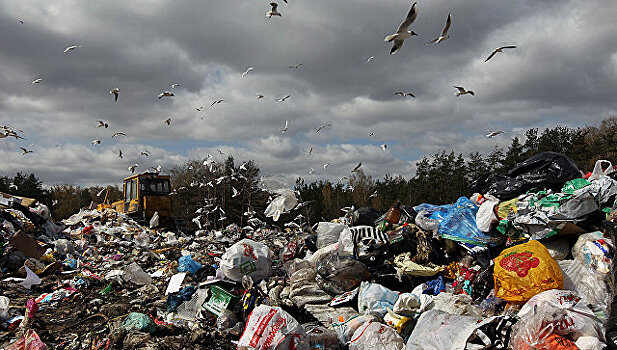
{"x":563,"y":71}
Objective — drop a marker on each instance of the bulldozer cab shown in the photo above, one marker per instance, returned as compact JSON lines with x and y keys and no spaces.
{"x":145,"y":194}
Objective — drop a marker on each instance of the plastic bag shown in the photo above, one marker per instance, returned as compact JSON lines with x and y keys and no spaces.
{"x":564,"y":310}
{"x":485,"y":217}
{"x":587,"y":283}
{"x":375,"y":298}
{"x":139,"y":322}
{"x":459,"y":224}
{"x":247,"y":257}
{"x":376,"y":336}
{"x":440,"y":330}
{"x":459,"y":304}
{"x":595,"y":251}
{"x":322,"y":338}
{"x":416,"y":301}
{"x":269,"y":328}
{"x":4,"y":308}
{"x":154,"y":220}
{"x":404,"y":264}
{"x":133,"y":273}
{"x":281,"y":204}
{"x":187,"y":264}
{"x":597,"y":169}
{"x":346,"y":329}
{"x":328,"y":233}
{"x":29,"y":341}
{"x":338,"y":274}
{"x":525,"y":270}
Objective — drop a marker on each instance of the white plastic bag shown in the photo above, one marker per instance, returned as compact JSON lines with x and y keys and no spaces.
{"x":587,"y":283}
{"x":154,"y":221}
{"x":247,"y":257}
{"x":345,"y":330}
{"x":328,"y":233}
{"x":4,"y":308}
{"x":485,"y":217}
{"x":375,"y":298}
{"x":415,"y":301}
{"x":597,"y":169}
{"x":595,"y":251}
{"x":376,"y":336}
{"x":31,"y":279}
{"x":459,"y":304}
{"x":271,"y":328}
{"x":281,"y":204}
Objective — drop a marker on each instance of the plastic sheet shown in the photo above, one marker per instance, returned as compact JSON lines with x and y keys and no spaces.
{"x":338,"y":274}
{"x":459,"y":224}
{"x":187,"y":264}
{"x":328,"y":233}
{"x":139,"y":322}
{"x":133,"y":273}
{"x":4,"y":308}
{"x":374,"y":298}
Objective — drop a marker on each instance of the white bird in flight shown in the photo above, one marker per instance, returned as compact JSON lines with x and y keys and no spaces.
{"x":444,"y":33}
{"x":36,"y":81}
{"x":370,"y":59}
{"x":259,"y":96}
{"x":115,"y":92}
{"x":96,"y":142}
{"x":402,"y":33}
{"x":492,"y":134}
{"x":325,"y":166}
{"x":285,"y":127}
{"x":245,"y":73}
{"x":311,"y":171}
{"x":384,"y":147}
{"x":165,"y":94}
{"x":25,"y":151}
{"x":370,"y":135}
{"x":322,"y":126}
{"x":374,"y":194}
{"x":499,"y":49}
{"x":217,"y":102}
{"x":173,"y":86}
{"x":119,"y":133}
{"x":235,"y":192}
{"x":120,"y":154}
{"x":310,"y":151}
{"x":71,"y":48}
{"x":404,"y":94}
{"x":167,"y":121}
{"x":132,"y":168}
{"x":102,"y":124}
{"x":462,"y":91}
{"x":282,"y":99}
{"x":357,"y":168}
{"x":144,"y":153}
{"x":273,"y":11}
{"x":297,"y":65}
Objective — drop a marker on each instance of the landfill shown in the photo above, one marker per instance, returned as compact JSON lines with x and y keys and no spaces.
{"x":526,"y":262}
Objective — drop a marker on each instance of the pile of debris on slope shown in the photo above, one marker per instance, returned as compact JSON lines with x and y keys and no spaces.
{"x":525,"y":263}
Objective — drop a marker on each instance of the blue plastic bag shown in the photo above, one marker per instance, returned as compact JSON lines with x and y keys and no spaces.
{"x":175,"y":299}
{"x":187,"y":264}
{"x":435,"y":286}
{"x":459,"y":224}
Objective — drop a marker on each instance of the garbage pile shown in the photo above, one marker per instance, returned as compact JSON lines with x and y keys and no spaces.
{"x":524,"y":263}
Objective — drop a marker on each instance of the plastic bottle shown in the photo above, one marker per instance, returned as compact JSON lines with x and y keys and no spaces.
{"x":394,"y":214}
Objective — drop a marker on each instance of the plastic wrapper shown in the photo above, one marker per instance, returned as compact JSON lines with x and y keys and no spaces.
{"x":270,"y":328}
{"x":247,"y":257}
{"x":525,"y":270}
{"x":338,"y":274}
{"x":376,"y":336}
{"x":439,"y":330}
{"x":4,"y":308}
{"x":416,"y":301}
{"x":587,"y":283}
{"x":459,"y":304}
{"x":283,"y":203}
{"x":187,"y":264}
{"x":154,"y":220}
{"x":138,"y":322}
{"x":426,"y":223}
{"x":328,"y":233}
{"x":405,"y":265}
{"x":322,"y":338}
{"x":375,"y":298}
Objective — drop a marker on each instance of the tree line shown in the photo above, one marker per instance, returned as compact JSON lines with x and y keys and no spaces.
{"x":216,"y":193}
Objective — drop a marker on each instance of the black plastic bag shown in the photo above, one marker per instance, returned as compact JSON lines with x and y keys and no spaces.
{"x":546,"y":170}
{"x":365,"y":216}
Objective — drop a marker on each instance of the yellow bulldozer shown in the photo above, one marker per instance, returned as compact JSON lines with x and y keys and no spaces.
{"x":143,"y":195}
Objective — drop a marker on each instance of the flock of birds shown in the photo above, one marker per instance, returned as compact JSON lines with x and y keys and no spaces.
{"x":397,"y":39}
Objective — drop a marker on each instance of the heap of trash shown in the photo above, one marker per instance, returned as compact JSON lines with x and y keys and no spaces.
{"x":526,"y":262}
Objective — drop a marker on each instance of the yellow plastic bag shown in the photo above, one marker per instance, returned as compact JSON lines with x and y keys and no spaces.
{"x":525,"y":270}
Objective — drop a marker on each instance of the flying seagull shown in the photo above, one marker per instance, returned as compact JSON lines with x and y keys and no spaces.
{"x":102,"y":124}
{"x":132,"y":168}
{"x":492,"y":134}
{"x":173,"y":86}
{"x":384,"y":147}
{"x":273,"y":11}
{"x":115,"y":92}
{"x":285,"y":127}
{"x":259,"y":96}
{"x":120,"y":154}
{"x":165,"y":94}
{"x":311,"y":171}
{"x":444,"y":33}
{"x":71,"y":48}
{"x":25,"y":151}
{"x":245,"y":73}
{"x":462,"y":91}
{"x":36,"y":81}
{"x":217,"y":102}
{"x":157,"y":169}
{"x":402,"y":33}
{"x":370,"y":59}
{"x":309,"y":152}
{"x":235,"y":192}
{"x":357,"y":167}
{"x":167,"y":121}
{"x":144,"y":153}
{"x":370,"y":134}
{"x":499,"y":49}
{"x":403,"y":94}
{"x":322,"y":126}
{"x":282,"y":99}
{"x":297,"y":65}
{"x":325,"y":166}
{"x":119,"y":133}
{"x":221,"y":152}
{"x":374,"y":194}
{"x":96,"y":142}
